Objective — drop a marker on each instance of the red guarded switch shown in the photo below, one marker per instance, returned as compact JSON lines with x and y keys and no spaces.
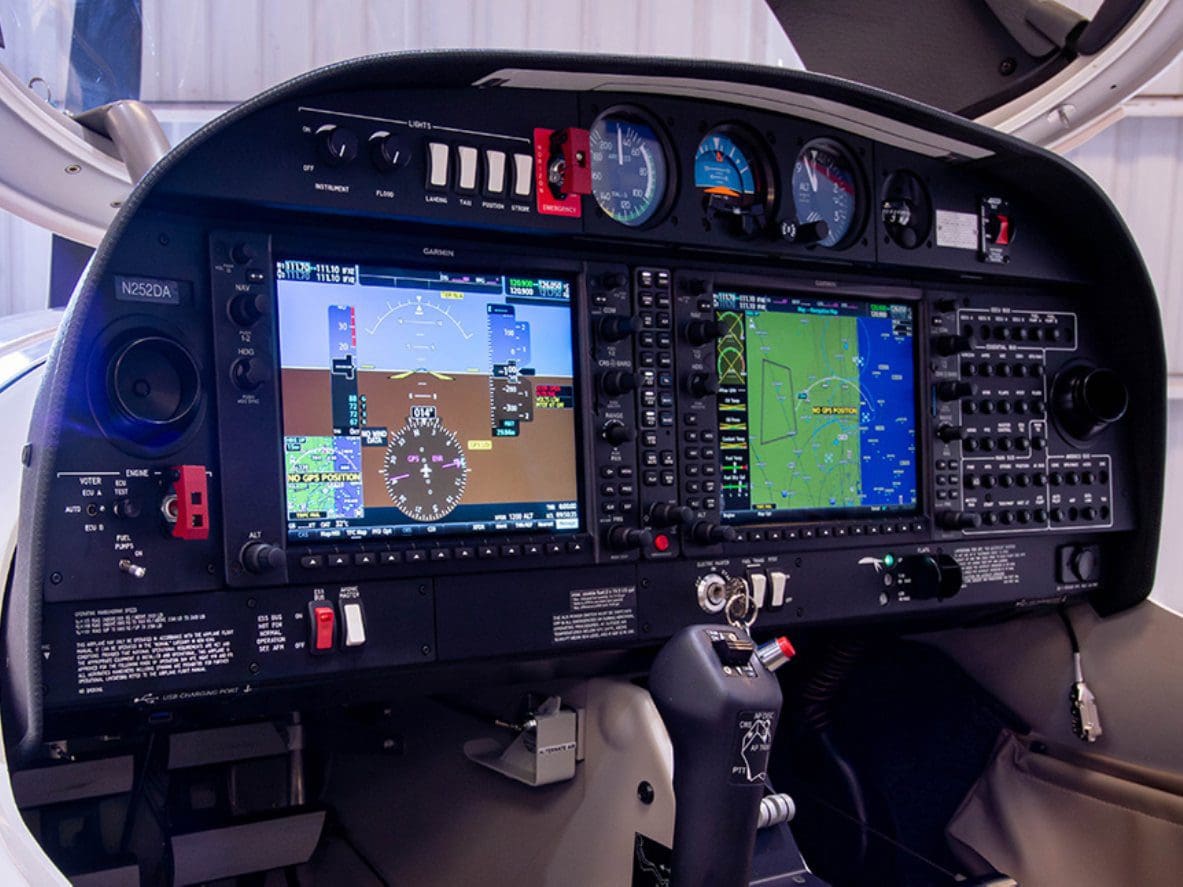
{"x":324,"y":626}
{"x":192,"y":503}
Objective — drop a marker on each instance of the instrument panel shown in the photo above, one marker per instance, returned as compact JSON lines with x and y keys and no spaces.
{"x":493,"y":364}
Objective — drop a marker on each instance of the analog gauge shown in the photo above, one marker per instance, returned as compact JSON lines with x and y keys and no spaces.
{"x":826,"y":193}
{"x":629,"y":170}
{"x":425,"y":470}
{"x":731,"y":176}
{"x":906,"y":209}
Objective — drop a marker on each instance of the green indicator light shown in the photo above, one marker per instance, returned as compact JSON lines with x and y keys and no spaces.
{"x":889,"y":560}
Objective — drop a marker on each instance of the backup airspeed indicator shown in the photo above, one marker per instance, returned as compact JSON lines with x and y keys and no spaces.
{"x":629,"y":171}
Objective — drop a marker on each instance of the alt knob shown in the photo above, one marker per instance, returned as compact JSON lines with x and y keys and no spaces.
{"x":701,"y":385}
{"x":668,"y":514}
{"x":616,"y":432}
{"x":622,"y":538}
{"x":336,"y":144}
{"x":700,"y":332}
{"x":386,"y":153}
{"x":614,"y":383}
{"x":707,"y":533}
{"x":261,"y":557}
{"x":614,"y":327}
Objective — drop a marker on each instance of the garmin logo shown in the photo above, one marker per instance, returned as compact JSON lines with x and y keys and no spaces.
{"x":148,"y":289}
{"x":439,"y":251}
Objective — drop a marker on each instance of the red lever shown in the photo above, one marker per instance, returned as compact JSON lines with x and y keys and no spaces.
{"x":192,"y":503}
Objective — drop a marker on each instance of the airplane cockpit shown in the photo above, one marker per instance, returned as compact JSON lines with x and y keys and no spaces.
{"x":491,"y":466}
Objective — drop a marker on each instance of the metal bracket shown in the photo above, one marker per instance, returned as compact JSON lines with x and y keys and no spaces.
{"x":544,"y":751}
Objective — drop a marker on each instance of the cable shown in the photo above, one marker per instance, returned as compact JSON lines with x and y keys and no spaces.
{"x":1063,"y":611}
{"x":1086,"y":716}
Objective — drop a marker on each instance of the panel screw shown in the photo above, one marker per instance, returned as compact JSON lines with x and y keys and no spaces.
{"x":1007,"y":66}
{"x":55,"y":578}
{"x":645,"y":793}
{"x":425,"y":649}
{"x":254,"y":668}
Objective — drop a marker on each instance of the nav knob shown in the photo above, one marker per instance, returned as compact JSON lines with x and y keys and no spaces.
{"x":949,"y":345}
{"x":951,"y":390}
{"x":614,"y":327}
{"x":702,"y":385}
{"x":616,"y":432}
{"x":668,"y":514}
{"x":246,"y":308}
{"x":700,"y":332}
{"x":617,"y":382}
{"x":704,"y":532}
{"x":623,"y":538}
{"x":949,"y":433}
{"x":385,"y":152}
{"x":261,"y":557}
{"x":337,"y":145}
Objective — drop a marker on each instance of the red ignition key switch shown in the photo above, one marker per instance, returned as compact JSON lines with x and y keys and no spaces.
{"x":192,"y":503}
{"x":324,"y":626}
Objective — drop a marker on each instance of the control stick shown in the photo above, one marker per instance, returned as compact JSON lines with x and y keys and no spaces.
{"x":720,"y":705}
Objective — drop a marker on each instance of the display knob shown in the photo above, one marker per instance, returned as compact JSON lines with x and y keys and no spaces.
{"x":959,"y":520}
{"x":337,"y":145}
{"x":246,"y":308}
{"x":617,"y":382}
{"x":704,"y":532}
{"x":261,"y":557}
{"x":616,"y":432}
{"x":614,"y":327}
{"x":700,"y":332}
{"x":386,"y":153}
{"x":1087,"y":399}
{"x":950,"y":433}
{"x":702,"y":385}
{"x":948,"y":345}
{"x":929,"y":576}
{"x":804,"y":232}
{"x":622,"y":538}
{"x":950,"y":390}
{"x":668,"y":514}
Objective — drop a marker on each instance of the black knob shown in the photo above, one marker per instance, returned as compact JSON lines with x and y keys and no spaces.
{"x":242,"y":253}
{"x":126,"y":507}
{"x":949,"y":345}
{"x":614,"y":383}
{"x":246,"y":308}
{"x":701,"y":385}
{"x":261,"y":557}
{"x":704,"y":532}
{"x":804,"y":232}
{"x":613,"y":280}
{"x":929,"y":576}
{"x":700,"y":332}
{"x":247,"y":374}
{"x":622,"y":538}
{"x":614,"y":327}
{"x":951,"y":390}
{"x":958,"y":520}
{"x":1084,"y":564}
{"x":616,"y":432}
{"x":668,"y":514}
{"x":386,"y":153}
{"x":1088,"y":399}
{"x":949,"y":433}
{"x":336,"y":144}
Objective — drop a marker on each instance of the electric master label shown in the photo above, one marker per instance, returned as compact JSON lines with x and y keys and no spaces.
{"x":753,"y":744}
{"x":990,"y":563}
{"x":596,"y":614}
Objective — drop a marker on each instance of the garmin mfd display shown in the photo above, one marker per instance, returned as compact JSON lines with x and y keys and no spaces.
{"x":425,"y":401}
{"x":817,"y":406}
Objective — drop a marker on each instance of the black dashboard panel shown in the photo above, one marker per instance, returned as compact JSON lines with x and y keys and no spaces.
{"x":584,"y":365}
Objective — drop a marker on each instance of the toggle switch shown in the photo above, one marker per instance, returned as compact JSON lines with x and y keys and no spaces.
{"x":323,"y":627}
{"x":355,"y":624}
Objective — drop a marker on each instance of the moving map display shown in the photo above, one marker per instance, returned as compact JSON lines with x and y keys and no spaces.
{"x":817,"y":406}
{"x":420,"y":402}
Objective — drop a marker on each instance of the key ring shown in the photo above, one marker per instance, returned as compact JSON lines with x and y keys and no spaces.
{"x":741,"y":610}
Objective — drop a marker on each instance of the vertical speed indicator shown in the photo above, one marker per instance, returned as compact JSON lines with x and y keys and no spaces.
{"x":629,"y":167}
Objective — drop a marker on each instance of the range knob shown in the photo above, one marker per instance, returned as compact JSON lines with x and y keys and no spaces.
{"x":614,"y":383}
{"x":614,"y":327}
{"x":386,"y":153}
{"x":948,"y":345}
{"x":336,"y":144}
{"x":261,"y":557}
{"x":245,"y":308}
{"x":668,"y":514}
{"x":616,"y":432}
{"x":930,"y":575}
{"x":701,"y":385}
{"x":951,"y":390}
{"x":958,"y":520}
{"x":621,"y":538}
{"x":700,"y":332}
{"x":949,"y":433}
{"x":705,"y":532}
{"x":1087,"y":399}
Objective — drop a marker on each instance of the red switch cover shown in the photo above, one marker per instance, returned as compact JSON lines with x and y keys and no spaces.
{"x":192,"y":503}
{"x":324,"y":626}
